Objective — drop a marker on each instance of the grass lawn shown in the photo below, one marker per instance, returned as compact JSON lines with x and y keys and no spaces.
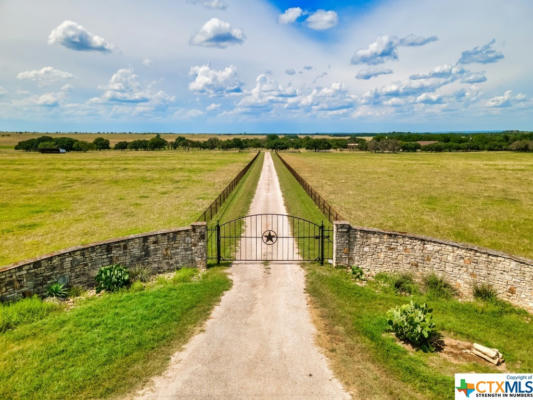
{"x":372,"y":363}
{"x":352,"y":325}
{"x":485,"y":199}
{"x":105,"y":345}
{"x":54,"y":201}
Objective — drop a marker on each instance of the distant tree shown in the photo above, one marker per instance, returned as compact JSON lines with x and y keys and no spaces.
{"x":121,"y":145}
{"x":182,"y":142}
{"x":157,"y":143}
{"x":140,"y":144}
{"x":82,"y":146}
{"x":522,"y":145}
{"x":65,"y":143}
{"x":47,"y":146}
{"x":101,"y":144}
{"x":410,"y":146}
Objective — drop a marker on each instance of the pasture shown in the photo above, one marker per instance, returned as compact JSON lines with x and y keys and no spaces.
{"x":54,"y":201}
{"x":485,"y":199}
{"x":350,"y":315}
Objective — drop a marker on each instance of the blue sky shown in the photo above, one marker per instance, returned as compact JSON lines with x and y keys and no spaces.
{"x":265,"y":66}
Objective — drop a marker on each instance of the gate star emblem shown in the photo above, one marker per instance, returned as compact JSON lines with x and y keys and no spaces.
{"x":270,"y":237}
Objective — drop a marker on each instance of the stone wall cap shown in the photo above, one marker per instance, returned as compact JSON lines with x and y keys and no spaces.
{"x":341,"y":223}
{"x":86,"y":246}
{"x":199,"y":223}
{"x":465,"y":246}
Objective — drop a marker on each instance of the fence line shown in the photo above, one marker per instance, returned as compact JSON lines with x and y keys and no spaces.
{"x":213,"y":208}
{"x":321,"y":203}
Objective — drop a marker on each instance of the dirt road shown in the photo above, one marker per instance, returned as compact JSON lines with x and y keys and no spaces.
{"x":259,"y":341}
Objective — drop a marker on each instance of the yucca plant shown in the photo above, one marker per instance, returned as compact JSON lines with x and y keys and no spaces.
{"x":57,"y":290}
{"x":112,"y":278}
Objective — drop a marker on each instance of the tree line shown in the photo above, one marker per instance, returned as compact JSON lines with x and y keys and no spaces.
{"x":392,"y":142}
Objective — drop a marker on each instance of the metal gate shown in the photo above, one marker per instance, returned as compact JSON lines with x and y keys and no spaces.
{"x":269,"y":237}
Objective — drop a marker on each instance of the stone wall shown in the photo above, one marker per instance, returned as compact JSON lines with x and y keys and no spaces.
{"x":462,"y":265}
{"x":162,"y":251}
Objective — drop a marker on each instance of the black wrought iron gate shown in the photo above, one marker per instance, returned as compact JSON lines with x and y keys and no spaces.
{"x":269,"y":237}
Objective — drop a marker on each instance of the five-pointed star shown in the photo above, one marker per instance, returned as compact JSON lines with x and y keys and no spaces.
{"x":269,"y":237}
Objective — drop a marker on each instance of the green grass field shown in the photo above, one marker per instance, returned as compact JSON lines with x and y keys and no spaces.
{"x":367,"y":359}
{"x":485,"y":199}
{"x":105,"y":345}
{"x":372,"y":363}
{"x":51,"y":202}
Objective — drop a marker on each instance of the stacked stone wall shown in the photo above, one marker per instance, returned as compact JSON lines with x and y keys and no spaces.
{"x":462,"y":265}
{"x":162,"y":251}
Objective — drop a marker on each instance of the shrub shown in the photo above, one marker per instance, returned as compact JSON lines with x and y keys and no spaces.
{"x":57,"y":290}
{"x":24,"y":311}
{"x":438,"y":287}
{"x":75,"y":291}
{"x":112,"y":278}
{"x":413,"y":323}
{"x":404,"y":284}
{"x":140,"y":273}
{"x":485,"y":292}
{"x":184,"y":275}
{"x":357,"y":272}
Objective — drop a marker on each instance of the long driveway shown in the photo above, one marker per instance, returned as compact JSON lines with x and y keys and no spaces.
{"x":259,"y":341}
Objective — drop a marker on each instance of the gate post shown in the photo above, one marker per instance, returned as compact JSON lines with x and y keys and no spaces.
{"x":341,"y":243}
{"x":322,"y":243}
{"x":218,"y":242}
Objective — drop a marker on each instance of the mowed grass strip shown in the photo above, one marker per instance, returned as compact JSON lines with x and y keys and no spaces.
{"x":236,"y":205}
{"x":299,"y":204}
{"x":105,"y":345}
{"x":371,"y":362}
{"x":485,"y":199}
{"x":50,"y":202}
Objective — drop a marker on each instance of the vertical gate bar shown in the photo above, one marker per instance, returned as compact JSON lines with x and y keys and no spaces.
{"x":322,"y":243}
{"x":218,"y":242}
{"x":308,"y":241}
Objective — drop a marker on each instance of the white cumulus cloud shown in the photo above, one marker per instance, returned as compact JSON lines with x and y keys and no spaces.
{"x":452,"y":73}
{"x":322,"y":20}
{"x":290,"y":15}
{"x":385,"y":48}
{"x":481,"y":54}
{"x":507,"y":100}
{"x":212,"y":4}
{"x":215,"y":82}
{"x":370,"y":73}
{"x":125,"y":90}
{"x":75,"y":37}
{"x":45,"y":75}
{"x":217,"y":33}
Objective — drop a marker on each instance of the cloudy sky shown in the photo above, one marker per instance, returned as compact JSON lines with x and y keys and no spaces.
{"x":266,"y":65}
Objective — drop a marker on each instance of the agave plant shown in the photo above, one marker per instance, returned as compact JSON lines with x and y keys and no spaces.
{"x":57,"y":290}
